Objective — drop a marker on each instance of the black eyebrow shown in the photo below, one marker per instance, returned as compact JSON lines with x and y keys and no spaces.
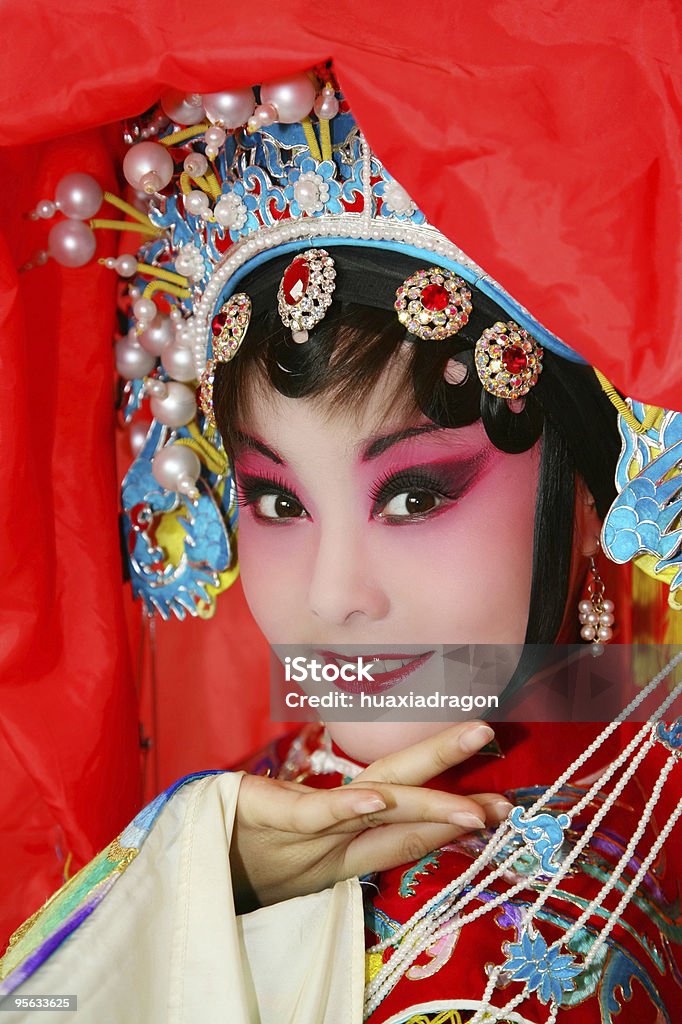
{"x":381,"y":444}
{"x":259,"y":446}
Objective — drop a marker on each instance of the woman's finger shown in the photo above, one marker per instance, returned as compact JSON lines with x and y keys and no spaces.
{"x":383,"y":848}
{"x":266,"y":803}
{"x":414,"y":804}
{"x":424,"y":760}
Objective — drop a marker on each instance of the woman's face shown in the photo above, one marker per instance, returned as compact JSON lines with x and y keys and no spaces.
{"x":403,"y":533}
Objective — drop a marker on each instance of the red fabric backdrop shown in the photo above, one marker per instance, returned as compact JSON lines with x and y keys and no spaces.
{"x":544,"y":139}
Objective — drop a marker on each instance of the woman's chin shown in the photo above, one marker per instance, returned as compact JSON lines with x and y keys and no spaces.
{"x":365,"y":742}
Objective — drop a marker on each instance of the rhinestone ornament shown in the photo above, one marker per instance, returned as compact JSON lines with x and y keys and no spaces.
{"x":305,"y":292}
{"x":508,"y":360}
{"x":228,"y":329}
{"x":433,"y":304}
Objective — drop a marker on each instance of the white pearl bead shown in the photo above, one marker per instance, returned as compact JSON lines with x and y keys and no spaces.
{"x":293,"y":98}
{"x":156,"y":388}
{"x":147,"y":159}
{"x":604,"y":633}
{"x":588,"y":632}
{"x":174,"y":464}
{"x":46,"y":209}
{"x":215,"y":137}
{"x":126,"y":265}
{"x":326,"y":105}
{"x":585,"y":607}
{"x":144,"y":309}
{"x":137,"y":435}
{"x":132,"y":362}
{"x":196,"y":164}
{"x":181,"y":108}
{"x":592,"y":618}
{"x":229,"y":109}
{"x":157,"y":336}
{"x":608,"y":606}
{"x":177,"y":408}
{"x":196,"y":202}
{"x":606,"y":619}
{"x":79,"y":196}
{"x":71,"y":243}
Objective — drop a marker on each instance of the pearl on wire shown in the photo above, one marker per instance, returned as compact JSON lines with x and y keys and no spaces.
{"x":196,"y":164}
{"x":292,"y":98}
{"x":197,"y":203}
{"x":71,"y":243}
{"x":144,"y":310}
{"x":148,"y":166}
{"x":45,"y":209}
{"x":132,"y":361}
{"x":126,"y":265}
{"x":177,"y":468}
{"x":181,"y":108}
{"x":178,"y":362}
{"x":176,"y":408}
{"x":229,"y":109}
{"x":79,"y":196}
{"x":157,"y":336}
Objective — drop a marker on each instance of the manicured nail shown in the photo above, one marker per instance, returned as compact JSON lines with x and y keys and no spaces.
{"x":464,"y":820}
{"x":501,"y":809}
{"x":369,"y":804}
{"x":476,"y":737}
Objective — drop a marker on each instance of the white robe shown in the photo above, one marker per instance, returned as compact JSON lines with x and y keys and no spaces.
{"x":166,"y":947}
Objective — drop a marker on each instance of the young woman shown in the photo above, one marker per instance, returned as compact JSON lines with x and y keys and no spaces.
{"x":391,"y":493}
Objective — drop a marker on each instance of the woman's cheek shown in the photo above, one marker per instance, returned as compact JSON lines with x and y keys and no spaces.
{"x":270,"y":570}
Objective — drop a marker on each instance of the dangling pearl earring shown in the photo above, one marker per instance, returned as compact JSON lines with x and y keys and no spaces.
{"x":596,"y":611}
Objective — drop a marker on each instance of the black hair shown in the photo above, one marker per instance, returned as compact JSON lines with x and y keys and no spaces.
{"x":361,"y":335}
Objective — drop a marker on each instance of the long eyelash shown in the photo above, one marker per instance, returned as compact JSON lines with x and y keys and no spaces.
{"x":251,"y":488}
{"x":390,"y":484}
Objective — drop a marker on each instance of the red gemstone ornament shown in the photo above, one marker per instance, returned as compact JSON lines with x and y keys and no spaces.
{"x":305,"y":292}
{"x":433,"y":303}
{"x":435,"y":297}
{"x":514,"y":359}
{"x":295,"y":281}
{"x":508,"y":360}
{"x":218,"y":322}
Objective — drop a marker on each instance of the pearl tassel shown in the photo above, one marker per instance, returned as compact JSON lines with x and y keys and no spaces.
{"x":421,"y":930}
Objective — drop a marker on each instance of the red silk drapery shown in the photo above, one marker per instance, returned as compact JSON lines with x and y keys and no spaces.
{"x":544,"y":139}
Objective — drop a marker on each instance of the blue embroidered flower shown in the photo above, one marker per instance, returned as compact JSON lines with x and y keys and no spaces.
{"x":548,"y":972}
{"x":670,"y":734}
{"x":313,"y":188}
{"x":396,"y":202}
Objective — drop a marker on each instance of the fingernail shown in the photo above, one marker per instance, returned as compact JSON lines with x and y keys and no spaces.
{"x":467,"y":820}
{"x":475,"y":738}
{"x":369,"y":804}
{"x":501,"y":809}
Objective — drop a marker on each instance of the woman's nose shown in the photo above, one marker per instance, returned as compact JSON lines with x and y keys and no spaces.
{"x":343,"y":582}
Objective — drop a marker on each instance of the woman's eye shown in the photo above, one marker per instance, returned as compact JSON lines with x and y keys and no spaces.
{"x":278,"y":506}
{"x":414,"y":502}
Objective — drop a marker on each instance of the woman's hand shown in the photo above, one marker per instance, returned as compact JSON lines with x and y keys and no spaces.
{"x":290,"y":839}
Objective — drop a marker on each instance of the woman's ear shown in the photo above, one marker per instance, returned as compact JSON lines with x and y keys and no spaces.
{"x":587,"y":520}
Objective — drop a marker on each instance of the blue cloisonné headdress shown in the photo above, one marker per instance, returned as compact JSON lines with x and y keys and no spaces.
{"x":231,"y":184}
